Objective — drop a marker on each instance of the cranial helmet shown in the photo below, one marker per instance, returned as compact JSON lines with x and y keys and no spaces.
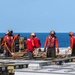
{"x":52,"y":32}
{"x":7,"y":33}
{"x":71,"y":33}
{"x":10,"y":32}
{"x":33,"y":34}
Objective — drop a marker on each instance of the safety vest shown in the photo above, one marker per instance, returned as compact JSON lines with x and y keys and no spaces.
{"x":37,"y":43}
{"x":30,"y":44}
{"x":51,"y":42}
{"x":72,"y":41}
{"x":9,"y":40}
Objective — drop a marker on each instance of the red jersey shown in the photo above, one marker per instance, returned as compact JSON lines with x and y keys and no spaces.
{"x":9,"y":40}
{"x":72,"y":41}
{"x":51,"y":41}
{"x":30,"y":44}
{"x":37,"y":43}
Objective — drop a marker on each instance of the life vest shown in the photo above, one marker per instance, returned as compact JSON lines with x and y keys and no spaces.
{"x":72,"y":41}
{"x":9,"y":40}
{"x":51,"y":41}
{"x":16,"y":36}
{"x":30,"y":44}
{"x":37,"y":43}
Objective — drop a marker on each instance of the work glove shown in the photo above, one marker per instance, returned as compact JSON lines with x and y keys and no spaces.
{"x":57,"y":50}
{"x":4,"y":52}
{"x":44,"y":49}
{"x":12,"y":54}
{"x":69,"y":48}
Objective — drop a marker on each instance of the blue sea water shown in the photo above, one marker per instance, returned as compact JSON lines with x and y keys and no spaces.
{"x":63,"y":38}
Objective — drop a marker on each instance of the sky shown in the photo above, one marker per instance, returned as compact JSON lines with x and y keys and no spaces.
{"x":37,"y":15}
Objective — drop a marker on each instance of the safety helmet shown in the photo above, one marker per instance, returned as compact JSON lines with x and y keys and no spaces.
{"x":52,"y":32}
{"x":71,"y":33}
{"x":7,"y":33}
{"x":33,"y":34}
{"x":10,"y":32}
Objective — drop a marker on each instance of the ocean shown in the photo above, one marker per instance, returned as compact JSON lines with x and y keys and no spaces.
{"x":63,"y":38}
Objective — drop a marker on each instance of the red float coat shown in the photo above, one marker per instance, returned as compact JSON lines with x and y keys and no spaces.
{"x":72,"y":41}
{"x":30,"y":44}
{"x":37,"y":42}
{"x":51,"y":41}
{"x":16,"y":36}
{"x":3,"y":42}
{"x":9,"y":41}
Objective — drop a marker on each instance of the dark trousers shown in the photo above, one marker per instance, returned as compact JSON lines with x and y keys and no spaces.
{"x":30,"y":54}
{"x":51,"y":52}
{"x":73,"y":51}
{"x":8,"y":54}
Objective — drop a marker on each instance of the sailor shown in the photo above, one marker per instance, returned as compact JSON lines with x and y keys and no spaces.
{"x":16,"y":42}
{"x":37,"y":44}
{"x":3,"y":43}
{"x":8,"y":39}
{"x":52,"y":44}
{"x":72,"y":43}
{"x":30,"y":46}
{"x":25,"y":39}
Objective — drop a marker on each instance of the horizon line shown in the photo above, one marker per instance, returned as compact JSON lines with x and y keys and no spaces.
{"x":36,"y":32}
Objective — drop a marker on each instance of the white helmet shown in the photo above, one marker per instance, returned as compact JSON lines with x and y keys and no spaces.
{"x":33,"y":34}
